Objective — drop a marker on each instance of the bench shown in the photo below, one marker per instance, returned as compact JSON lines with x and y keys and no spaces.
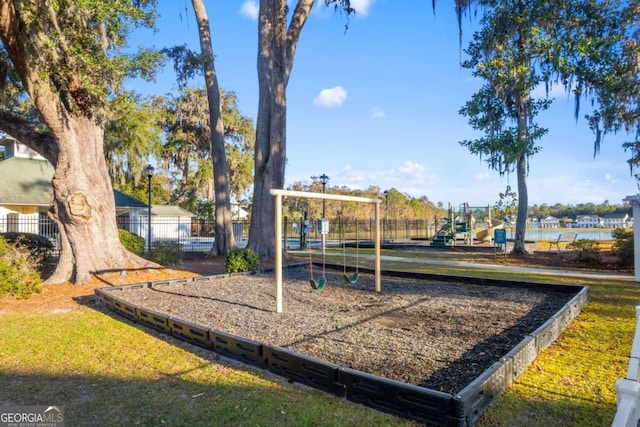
{"x":567,"y":237}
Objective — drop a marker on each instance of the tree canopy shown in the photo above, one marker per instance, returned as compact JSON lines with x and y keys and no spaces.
{"x":520,"y":47}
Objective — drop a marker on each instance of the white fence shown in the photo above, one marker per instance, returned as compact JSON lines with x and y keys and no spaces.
{"x":193,"y":234}
{"x":32,"y":223}
{"x":628,"y":389}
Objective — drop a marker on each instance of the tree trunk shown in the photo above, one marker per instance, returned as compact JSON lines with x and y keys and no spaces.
{"x":519,"y":246}
{"x":84,"y":208}
{"x":224,"y":239}
{"x":83,"y":203}
{"x":276,"y":50}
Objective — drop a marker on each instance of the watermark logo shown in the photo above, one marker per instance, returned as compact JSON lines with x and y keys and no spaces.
{"x":31,"y":416}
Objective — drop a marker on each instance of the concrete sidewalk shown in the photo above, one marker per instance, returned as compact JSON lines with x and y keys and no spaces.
{"x":627,"y":277}
{"x":534,"y":270}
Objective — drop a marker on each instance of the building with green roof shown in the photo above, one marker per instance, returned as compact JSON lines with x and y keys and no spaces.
{"x":26,"y":194}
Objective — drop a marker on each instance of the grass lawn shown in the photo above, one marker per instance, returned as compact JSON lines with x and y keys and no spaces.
{"x":106,"y":371}
{"x":572,"y":383}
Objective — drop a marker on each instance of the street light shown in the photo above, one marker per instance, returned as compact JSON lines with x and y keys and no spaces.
{"x":386,"y":202}
{"x":149,"y":169}
{"x":323,"y":180}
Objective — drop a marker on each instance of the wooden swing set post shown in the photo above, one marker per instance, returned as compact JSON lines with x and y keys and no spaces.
{"x":278,"y":228}
{"x":278,"y":252}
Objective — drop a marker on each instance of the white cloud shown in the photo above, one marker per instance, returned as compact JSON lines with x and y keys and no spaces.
{"x":361,"y":6}
{"x":410,"y":168}
{"x":377,"y":113}
{"x":409,"y":176}
{"x":610,"y":178}
{"x":329,"y":98}
{"x":482,"y":176}
{"x":250,"y":9}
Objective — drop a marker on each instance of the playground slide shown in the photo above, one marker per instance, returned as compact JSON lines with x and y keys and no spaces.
{"x":486,"y":234}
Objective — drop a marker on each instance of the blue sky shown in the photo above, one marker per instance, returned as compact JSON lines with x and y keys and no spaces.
{"x":377,"y":105}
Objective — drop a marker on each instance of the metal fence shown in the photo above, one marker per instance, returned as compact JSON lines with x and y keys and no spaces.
{"x":361,"y":229}
{"x":35,"y":224}
{"x":197,"y":234}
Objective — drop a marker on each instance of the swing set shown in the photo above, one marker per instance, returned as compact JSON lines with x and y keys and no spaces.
{"x":356,"y":275}
{"x":320,"y":284}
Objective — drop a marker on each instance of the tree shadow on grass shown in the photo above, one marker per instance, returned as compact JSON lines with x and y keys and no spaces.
{"x":117,"y":377}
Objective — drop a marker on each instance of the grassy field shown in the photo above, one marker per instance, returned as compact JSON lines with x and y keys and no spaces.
{"x":108,"y":372}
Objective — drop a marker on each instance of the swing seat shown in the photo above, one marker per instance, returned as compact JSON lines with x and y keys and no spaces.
{"x":319,"y":285}
{"x":352,"y":279}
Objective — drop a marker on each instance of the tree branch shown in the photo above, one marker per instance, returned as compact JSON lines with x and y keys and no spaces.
{"x":300,"y":15}
{"x":30,"y":135}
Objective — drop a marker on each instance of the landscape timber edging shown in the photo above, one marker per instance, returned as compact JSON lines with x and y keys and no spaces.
{"x":404,"y":400}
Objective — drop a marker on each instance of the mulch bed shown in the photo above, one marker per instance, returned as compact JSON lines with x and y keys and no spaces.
{"x":439,"y":335}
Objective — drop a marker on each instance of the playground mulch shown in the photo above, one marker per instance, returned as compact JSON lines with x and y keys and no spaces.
{"x":66,"y":296}
{"x":448,"y":369}
{"x":439,"y":335}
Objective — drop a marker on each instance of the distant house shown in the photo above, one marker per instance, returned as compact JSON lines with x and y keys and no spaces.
{"x":533,"y":223}
{"x":589,"y":221}
{"x":238,"y":213}
{"x":617,"y":221}
{"x":168,"y":223}
{"x":26,"y":194}
{"x":549,"y":222}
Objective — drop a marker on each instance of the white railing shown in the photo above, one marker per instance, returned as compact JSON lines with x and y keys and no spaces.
{"x":628,"y":389}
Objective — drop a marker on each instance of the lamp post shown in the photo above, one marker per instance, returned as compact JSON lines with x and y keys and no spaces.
{"x":323,"y":180}
{"x":149,"y":169}
{"x":386,"y":216}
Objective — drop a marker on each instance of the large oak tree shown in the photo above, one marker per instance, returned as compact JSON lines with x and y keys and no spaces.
{"x":65,"y":55}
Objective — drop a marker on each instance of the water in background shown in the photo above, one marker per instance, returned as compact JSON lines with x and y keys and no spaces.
{"x":546,"y":234}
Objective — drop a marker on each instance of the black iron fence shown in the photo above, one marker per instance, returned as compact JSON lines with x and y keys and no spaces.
{"x":197,"y":234}
{"x":350,"y":230}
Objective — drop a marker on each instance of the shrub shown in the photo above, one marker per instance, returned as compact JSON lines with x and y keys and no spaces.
{"x":165,"y":253}
{"x":623,"y":246}
{"x":18,"y":272}
{"x":131,"y":242}
{"x":588,"y":251}
{"x":39,"y":247}
{"x":241,"y":260}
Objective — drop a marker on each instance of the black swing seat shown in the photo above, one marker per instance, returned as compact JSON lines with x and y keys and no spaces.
{"x":318,"y":286}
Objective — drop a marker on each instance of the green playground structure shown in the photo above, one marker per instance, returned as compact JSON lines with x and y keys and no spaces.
{"x":468,"y":224}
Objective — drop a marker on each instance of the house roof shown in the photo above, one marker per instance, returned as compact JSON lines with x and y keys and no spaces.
{"x":616,"y":216}
{"x":25,"y":181}
{"x":170,"y":210}
{"x":579,"y":217}
{"x":124,"y":201}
